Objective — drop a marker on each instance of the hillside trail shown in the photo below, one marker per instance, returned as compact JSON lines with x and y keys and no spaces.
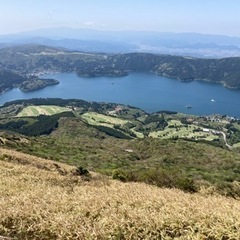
{"x":225,"y":140}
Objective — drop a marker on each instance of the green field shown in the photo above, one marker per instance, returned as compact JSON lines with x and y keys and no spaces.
{"x":176,"y":129}
{"x":94,"y":118}
{"x":32,"y":111}
{"x":236,"y":145}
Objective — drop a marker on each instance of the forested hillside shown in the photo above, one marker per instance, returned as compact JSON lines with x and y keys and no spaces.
{"x":9,"y":79}
{"x":28,"y":60}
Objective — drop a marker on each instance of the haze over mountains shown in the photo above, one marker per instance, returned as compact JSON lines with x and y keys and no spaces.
{"x":88,"y":40}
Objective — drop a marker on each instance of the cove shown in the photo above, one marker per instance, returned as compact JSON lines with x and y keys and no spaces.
{"x":147,"y":91}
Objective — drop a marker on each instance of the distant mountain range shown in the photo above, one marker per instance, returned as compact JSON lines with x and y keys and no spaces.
{"x":88,"y":40}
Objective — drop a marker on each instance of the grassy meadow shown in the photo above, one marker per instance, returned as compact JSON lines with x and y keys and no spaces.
{"x":176,"y":129}
{"x":41,"y":199}
{"x":33,"y":111}
{"x":94,"y":118}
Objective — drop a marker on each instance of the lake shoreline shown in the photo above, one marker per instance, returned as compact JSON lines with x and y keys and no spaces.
{"x":147,"y":91}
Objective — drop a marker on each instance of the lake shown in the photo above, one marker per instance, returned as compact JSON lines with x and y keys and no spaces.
{"x":144,"y":90}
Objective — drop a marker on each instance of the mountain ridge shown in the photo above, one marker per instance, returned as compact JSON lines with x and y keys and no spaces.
{"x":90,"y":40}
{"x":28,"y":60}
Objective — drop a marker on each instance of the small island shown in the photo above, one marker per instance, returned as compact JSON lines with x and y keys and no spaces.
{"x":36,"y":84}
{"x":88,"y":73}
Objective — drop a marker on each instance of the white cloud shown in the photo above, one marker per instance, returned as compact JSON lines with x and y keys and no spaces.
{"x":89,"y":24}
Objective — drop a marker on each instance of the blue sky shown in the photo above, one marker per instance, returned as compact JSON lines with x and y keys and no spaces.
{"x":202,"y":16}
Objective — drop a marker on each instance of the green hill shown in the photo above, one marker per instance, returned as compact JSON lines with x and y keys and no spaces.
{"x":164,"y":149}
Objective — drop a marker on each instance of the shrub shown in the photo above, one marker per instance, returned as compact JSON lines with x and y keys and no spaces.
{"x":119,"y":174}
{"x":157,"y":176}
{"x":112,"y":132}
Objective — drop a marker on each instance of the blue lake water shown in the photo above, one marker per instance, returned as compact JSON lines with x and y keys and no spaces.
{"x":147,"y":91}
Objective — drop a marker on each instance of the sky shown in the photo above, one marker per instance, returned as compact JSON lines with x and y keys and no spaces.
{"x":200,"y":16}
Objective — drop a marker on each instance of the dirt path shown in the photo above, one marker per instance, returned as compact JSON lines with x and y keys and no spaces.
{"x":225,"y":140}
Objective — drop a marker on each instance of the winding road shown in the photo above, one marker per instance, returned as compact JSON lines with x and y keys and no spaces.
{"x":225,"y":140}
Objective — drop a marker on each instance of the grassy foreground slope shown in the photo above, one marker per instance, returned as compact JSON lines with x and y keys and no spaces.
{"x":38,"y":201}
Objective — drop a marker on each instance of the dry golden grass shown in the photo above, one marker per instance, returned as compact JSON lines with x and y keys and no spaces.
{"x":40,"y":203}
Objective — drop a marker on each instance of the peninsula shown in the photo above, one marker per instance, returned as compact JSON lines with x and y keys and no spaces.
{"x":32,"y":60}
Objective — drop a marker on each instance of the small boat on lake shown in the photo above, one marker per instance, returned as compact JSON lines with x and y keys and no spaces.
{"x":188,"y":106}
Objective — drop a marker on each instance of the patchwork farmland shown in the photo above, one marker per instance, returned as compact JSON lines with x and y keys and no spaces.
{"x":31,"y":111}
